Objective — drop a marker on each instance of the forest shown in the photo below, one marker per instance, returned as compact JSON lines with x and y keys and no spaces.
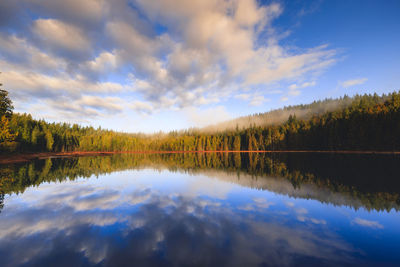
{"x":362,"y":122}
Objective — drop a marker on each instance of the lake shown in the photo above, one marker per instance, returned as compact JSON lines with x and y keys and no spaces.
{"x":202,"y":209}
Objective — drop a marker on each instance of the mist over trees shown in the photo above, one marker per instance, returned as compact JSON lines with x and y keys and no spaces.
{"x":362,"y":122}
{"x":279,"y":116}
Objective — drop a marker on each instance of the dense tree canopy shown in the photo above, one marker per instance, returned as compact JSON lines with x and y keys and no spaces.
{"x":368,"y":122}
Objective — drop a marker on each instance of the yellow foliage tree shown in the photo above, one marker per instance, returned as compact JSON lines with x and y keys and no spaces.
{"x":5,"y":132}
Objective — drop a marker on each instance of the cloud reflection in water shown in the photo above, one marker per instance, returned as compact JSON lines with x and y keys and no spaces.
{"x":90,"y":222}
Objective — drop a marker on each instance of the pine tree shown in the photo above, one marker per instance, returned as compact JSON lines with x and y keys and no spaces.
{"x":6,"y":106}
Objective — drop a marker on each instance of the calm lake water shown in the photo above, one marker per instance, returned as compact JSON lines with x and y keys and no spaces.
{"x":234,"y":209}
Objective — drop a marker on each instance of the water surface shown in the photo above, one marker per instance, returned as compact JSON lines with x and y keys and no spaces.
{"x":222,"y":209}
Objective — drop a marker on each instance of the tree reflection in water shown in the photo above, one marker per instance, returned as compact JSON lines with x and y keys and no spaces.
{"x":200,"y":209}
{"x":369,"y":181}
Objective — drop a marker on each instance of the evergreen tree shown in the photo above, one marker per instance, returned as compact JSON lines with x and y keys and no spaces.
{"x":49,"y":141}
{"x":6,"y":106}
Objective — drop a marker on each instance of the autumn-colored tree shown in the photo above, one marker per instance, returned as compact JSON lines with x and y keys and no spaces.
{"x":5,"y":132}
{"x":236,"y":143}
{"x":6,"y":107}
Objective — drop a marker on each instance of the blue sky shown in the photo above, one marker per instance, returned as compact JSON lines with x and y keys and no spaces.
{"x":147,"y":65}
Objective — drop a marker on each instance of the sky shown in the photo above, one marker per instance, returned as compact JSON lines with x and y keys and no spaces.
{"x":151,"y":65}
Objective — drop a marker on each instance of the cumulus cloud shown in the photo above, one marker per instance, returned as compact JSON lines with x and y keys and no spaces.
{"x":175,"y":53}
{"x":34,"y":83}
{"x":111,"y":104}
{"x":215,"y":40}
{"x":353,"y":82}
{"x":104,"y":63}
{"x":18,"y":53}
{"x":63,"y":93}
{"x":60,"y":36}
{"x":53,"y":90}
{"x":88,"y":107}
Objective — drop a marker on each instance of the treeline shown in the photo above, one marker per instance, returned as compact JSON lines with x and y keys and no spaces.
{"x":38,"y":135}
{"x":367,"y":122}
{"x":338,"y":179}
{"x":279,"y":116}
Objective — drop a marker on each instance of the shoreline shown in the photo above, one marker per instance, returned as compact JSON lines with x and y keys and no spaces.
{"x":24,"y":157}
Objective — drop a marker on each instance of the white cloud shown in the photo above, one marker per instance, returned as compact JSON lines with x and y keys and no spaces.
{"x":209,"y":51}
{"x":316,"y":221}
{"x":142,"y":107}
{"x":274,"y":63}
{"x":353,"y":82}
{"x":106,"y":61}
{"x":87,"y":107}
{"x":262,"y":203}
{"x":62,"y":96}
{"x":41,"y":85}
{"x":211,"y":45}
{"x":111,"y":104}
{"x":255,"y":99}
{"x":258,"y":100}
{"x":303,"y":85}
{"x":290,"y":204}
{"x":18,"y":52}
{"x":367,"y":223}
{"x":294,"y":89}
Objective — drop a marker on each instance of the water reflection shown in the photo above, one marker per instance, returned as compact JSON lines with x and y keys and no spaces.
{"x":83,"y":224}
{"x":367,"y":181}
{"x":202,"y":210}
{"x":1,"y":201}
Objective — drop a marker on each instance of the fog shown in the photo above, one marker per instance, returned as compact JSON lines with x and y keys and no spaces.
{"x":279,"y":116}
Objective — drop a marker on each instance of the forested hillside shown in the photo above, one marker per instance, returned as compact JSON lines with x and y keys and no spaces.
{"x":279,"y":116}
{"x":367,"y":122}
